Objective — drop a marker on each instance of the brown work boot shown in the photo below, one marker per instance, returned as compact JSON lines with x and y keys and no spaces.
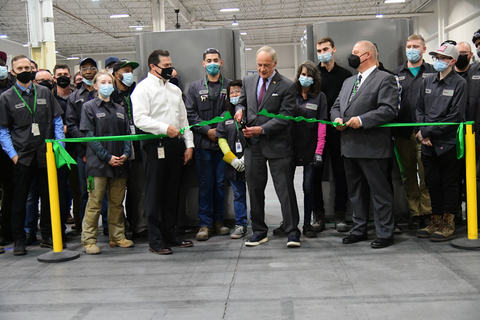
{"x":204,"y":234}
{"x":446,"y":231}
{"x":124,"y":243}
{"x":431,"y":228}
{"x":221,"y":230}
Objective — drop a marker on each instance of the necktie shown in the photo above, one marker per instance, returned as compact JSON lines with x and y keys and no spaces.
{"x":263,"y":89}
{"x":357,"y":85}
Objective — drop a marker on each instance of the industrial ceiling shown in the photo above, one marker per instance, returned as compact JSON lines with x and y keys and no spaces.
{"x":85,"y":26}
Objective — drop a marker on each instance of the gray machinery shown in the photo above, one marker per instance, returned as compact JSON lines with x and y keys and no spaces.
{"x":390,"y":36}
{"x":186,"y":49}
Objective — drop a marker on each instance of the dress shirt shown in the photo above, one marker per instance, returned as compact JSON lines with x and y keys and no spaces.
{"x":158,"y":104}
{"x":260,"y":83}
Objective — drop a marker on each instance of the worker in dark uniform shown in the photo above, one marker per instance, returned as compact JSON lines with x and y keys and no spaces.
{"x":205,"y":101}
{"x":29,"y":114}
{"x":6,"y":174}
{"x":473,"y":108}
{"x":443,"y":98}
{"x":135,"y":202}
{"x":106,"y":166}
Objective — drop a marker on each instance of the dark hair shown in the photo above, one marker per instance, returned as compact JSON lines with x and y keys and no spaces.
{"x":326,"y":39}
{"x":33,"y":61}
{"x":19,"y":57}
{"x":314,"y":73}
{"x":61,"y":66}
{"x":154,"y":57}
{"x":211,"y":51}
{"x":230,"y":107}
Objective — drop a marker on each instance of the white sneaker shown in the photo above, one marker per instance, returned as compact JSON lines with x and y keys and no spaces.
{"x":239,"y":232}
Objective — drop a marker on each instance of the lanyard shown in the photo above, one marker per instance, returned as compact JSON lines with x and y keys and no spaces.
{"x":26,"y":104}
{"x":127,"y":99}
{"x":219,"y":91}
{"x":236,"y":125}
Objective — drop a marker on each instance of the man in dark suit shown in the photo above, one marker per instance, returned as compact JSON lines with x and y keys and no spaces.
{"x":366,"y":101}
{"x":269,"y":140}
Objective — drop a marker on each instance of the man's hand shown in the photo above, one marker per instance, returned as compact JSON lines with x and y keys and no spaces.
{"x":252,"y":131}
{"x":239,"y":115}
{"x":172,"y":132}
{"x":64,"y":129}
{"x":112,"y":161}
{"x":317,"y":160}
{"x":187,"y":155}
{"x":121,"y":160}
{"x":340,"y":121}
{"x":354,"y":123}
{"x":427,"y":142}
{"x":211,"y":135}
{"x":15,"y":159}
{"x":84,"y":158}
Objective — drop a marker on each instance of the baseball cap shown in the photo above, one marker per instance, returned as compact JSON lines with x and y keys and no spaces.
{"x":87,"y":59}
{"x":446,"y":49}
{"x":3,"y":56}
{"x":110,"y":60}
{"x":122,"y":63}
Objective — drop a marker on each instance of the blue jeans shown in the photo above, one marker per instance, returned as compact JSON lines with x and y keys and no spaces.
{"x":211,"y":194}
{"x":31,"y":214}
{"x":240,"y":202}
{"x":308,"y":194}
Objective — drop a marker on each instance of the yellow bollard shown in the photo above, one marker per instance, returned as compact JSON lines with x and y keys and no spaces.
{"x":54,"y":200}
{"x":471,"y":183}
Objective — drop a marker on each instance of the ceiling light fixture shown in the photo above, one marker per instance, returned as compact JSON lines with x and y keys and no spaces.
{"x":394,"y":1}
{"x":243,"y":33}
{"x":26,"y":45}
{"x":234,"y":23}
{"x":73,"y":58}
{"x":3,"y":36}
{"x":139,"y":28}
{"x":248,"y":49}
{"x":123,"y":15}
{"x":229,"y":10}
{"x":379,"y":15}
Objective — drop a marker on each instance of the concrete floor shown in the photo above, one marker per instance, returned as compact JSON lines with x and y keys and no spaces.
{"x":223,"y":279}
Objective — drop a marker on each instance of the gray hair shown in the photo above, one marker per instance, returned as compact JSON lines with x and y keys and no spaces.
{"x":269,"y":50}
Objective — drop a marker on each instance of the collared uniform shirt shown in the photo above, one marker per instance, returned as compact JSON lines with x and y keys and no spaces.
{"x":410,"y":93}
{"x":15,"y":116}
{"x":441,"y":101}
{"x":473,"y":107}
{"x":158,"y":105}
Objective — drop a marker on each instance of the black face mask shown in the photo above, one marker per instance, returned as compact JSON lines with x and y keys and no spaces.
{"x":354,"y":60}
{"x":174,"y":81}
{"x":166,"y":73}
{"x":24,"y":77}
{"x":79,"y":85}
{"x":462,"y":61}
{"x":47,"y":84}
{"x":32,"y":77}
{"x":63,"y":81}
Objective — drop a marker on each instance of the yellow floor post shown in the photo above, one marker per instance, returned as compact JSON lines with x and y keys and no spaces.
{"x":471,"y":183}
{"x":54,"y":200}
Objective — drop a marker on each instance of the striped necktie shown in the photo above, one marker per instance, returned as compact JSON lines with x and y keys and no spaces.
{"x":355,"y":87}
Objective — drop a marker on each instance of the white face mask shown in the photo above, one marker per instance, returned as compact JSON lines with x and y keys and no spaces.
{"x":110,"y":70}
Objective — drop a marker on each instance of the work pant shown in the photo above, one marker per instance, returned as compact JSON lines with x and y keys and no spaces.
{"x":211,"y":170}
{"x":441,"y":178}
{"x":6,"y":182}
{"x":163,"y":177}
{"x":115,"y":188}
{"x":409,"y":151}
{"x":240,"y":202}
{"x":135,"y":201}
{"x":23,"y":177}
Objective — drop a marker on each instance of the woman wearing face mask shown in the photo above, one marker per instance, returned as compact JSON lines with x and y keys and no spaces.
{"x":105,"y":164}
{"x":233,"y":143}
{"x":308,"y":138}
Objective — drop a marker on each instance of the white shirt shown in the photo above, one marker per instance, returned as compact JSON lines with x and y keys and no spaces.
{"x":156,"y":105}
{"x":365,"y":75}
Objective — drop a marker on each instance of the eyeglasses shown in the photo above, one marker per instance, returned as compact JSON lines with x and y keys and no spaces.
{"x":48,"y":80}
{"x":211,"y":50}
{"x":464,"y":52}
{"x":85,"y":69}
{"x":236,"y":91}
{"x":441,"y":58}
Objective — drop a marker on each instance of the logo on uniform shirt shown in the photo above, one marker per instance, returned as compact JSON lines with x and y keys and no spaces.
{"x":203,"y":92}
{"x":41,"y":101}
{"x":20,"y":105}
{"x":401,"y":78}
{"x":120,"y":115}
{"x":475,"y":77}
{"x":311,"y":106}
{"x":448,"y":93}
{"x":100,"y":115}
{"x":229,"y":122}
{"x":428,"y":91}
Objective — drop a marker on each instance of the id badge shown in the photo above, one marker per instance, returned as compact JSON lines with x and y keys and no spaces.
{"x":35,"y":129}
{"x":238,"y":147}
{"x":161,"y":152}
{"x":132,"y":129}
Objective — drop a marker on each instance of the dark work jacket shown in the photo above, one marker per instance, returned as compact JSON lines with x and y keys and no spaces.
{"x":202,"y":108}
{"x":72,"y":118}
{"x":473,"y":106}
{"x":228,"y":130}
{"x":305,"y":134}
{"x":106,"y":120}
{"x":7,"y":85}
{"x":410,"y":94}
{"x":69,"y":146}
{"x":441,"y":101}
{"x":15,"y":116}
{"x":121,"y":98}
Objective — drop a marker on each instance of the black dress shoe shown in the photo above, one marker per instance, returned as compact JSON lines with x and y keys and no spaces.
{"x":353,"y":238}
{"x":161,"y":250}
{"x":30,"y":239}
{"x":381,"y":243}
{"x":180,"y":243}
{"x":48,"y":243}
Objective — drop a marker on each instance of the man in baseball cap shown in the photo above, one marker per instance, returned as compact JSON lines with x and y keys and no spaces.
{"x":109,"y":62}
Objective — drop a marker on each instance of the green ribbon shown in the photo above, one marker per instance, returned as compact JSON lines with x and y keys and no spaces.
{"x":265,"y":113}
{"x":63,"y":158}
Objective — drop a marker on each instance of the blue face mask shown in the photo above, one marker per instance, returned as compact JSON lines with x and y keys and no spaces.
{"x":127,"y":79}
{"x":413,"y":55}
{"x":440,"y":65}
{"x":105,"y":90}
{"x":325,"y":58}
{"x":213,"y":68}
{"x":87,"y":82}
{"x":234,"y":100}
{"x":305,"y":81}
{"x":3,"y":72}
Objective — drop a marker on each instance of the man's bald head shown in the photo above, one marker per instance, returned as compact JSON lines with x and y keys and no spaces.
{"x":368,"y":54}
{"x":43,"y":75}
{"x":368,"y":47}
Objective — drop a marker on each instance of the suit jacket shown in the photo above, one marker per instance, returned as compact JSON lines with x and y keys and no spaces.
{"x":376,"y":102}
{"x":279,"y":99}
